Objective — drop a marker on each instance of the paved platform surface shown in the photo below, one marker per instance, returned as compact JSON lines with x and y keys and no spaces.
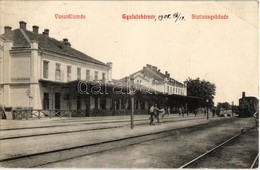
{"x":12,"y":124}
{"x":31,"y":145}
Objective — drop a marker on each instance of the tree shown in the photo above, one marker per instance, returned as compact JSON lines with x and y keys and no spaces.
{"x":224,"y":105}
{"x":203,"y":89}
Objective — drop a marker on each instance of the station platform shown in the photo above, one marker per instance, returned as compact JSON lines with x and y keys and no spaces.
{"x":21,"y":138}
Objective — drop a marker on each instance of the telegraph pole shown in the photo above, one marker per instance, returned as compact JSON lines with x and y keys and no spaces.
{"x":232,"y":108}
{"x":207,"y":101}
{"x":132,"y":93}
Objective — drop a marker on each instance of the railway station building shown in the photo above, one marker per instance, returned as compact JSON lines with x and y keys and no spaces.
{"x":30,"y":59}
{"x":152,"y":77}
{"x":40,"y":72}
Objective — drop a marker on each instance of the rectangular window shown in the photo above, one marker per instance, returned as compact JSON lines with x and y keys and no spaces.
{"x":45,"y":69}
{"x":87,"y":75}
{"x":96,"y":75}
{"x":78,"y":73}
{"x":58,"y":72}
{"x":104,"y":76}
{"x":69,"y":73}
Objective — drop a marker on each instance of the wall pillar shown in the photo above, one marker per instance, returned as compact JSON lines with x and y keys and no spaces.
{"x":36,"y":102}
{"x":34,"y":77}
{"x":6,"y":74}
{"x":115,"y":105}
{"x":146,"y":105}
{"x":109,"y":73}
{"x":6,"y":95}
{"x":120,"y":104}
{"x":98,"y":102}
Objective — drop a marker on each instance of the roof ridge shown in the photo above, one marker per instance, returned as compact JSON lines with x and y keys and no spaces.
{"x":152,"y":71}
{"x":54,"y":45}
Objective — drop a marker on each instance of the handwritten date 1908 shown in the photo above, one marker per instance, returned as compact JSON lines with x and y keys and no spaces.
{"x":176,"y":17}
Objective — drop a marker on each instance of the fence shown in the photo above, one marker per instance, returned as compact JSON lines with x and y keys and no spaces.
{"x":19,"y":114}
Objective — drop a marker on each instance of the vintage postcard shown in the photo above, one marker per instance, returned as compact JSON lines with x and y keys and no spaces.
{"x":129,"y":84}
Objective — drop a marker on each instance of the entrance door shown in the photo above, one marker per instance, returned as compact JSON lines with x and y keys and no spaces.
{"x":46,"y":101}
{"x":78,"y":103}
{"x":57,"y":101}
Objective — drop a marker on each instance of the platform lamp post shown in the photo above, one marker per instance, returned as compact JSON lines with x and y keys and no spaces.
{"x":207,"y":103}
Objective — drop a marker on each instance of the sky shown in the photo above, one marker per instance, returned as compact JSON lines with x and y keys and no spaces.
{"x":224,"y":52}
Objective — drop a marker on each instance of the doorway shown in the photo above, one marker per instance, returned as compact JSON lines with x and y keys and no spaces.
{"x":57,"y":101}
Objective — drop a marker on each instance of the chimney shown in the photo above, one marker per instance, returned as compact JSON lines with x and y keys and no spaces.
{"x":159,"y":70}
{"x":66,"y":42}
{"x":46,"y":32}
{"x":154,"y":68}
{"x":35,"y":29}
{"x":110,"y":64}
{"x":166,"y":72}
{"x":168,"y":75}
{"x":243,"y":94}
{"x":22,"y":25}
{"x":148,"y":66}
{"x":7,"y":29}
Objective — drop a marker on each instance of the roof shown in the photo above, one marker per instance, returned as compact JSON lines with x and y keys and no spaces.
{"x":156,"y":75}
{"x":22,"y":39}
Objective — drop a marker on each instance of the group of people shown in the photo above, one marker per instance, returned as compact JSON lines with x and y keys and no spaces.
{"x":155,"y":113}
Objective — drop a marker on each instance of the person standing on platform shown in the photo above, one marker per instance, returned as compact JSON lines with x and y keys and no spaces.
{"x":166,"y":111}
{"x":183,"y":111}
{"x":152,"y":114}
{"x":180,"y":111}
{"x":156,"y":113}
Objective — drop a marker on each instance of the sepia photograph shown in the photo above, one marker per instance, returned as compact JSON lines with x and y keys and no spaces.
{"x":129,"y":84}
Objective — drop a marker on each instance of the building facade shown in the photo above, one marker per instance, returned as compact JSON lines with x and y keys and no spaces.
{"x":33,"y":66}
{"x":40,"y":73}
{"x":152,"y":77}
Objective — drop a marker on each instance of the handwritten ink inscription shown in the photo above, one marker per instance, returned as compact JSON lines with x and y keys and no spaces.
{"x":177,"y":16}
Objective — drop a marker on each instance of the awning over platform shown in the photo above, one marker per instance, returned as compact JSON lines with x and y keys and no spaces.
{"x":116,"y":88}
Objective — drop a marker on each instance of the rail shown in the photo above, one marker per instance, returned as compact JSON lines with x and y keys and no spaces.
{"x":254,"y":162}
{"x":213,"y":149}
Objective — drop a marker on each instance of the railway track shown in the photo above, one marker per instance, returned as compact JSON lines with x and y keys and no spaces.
{"x":207,"y":154}
{"x":143,"y":122}
{"x":255,"y":162}
{"x":52,"y":156}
